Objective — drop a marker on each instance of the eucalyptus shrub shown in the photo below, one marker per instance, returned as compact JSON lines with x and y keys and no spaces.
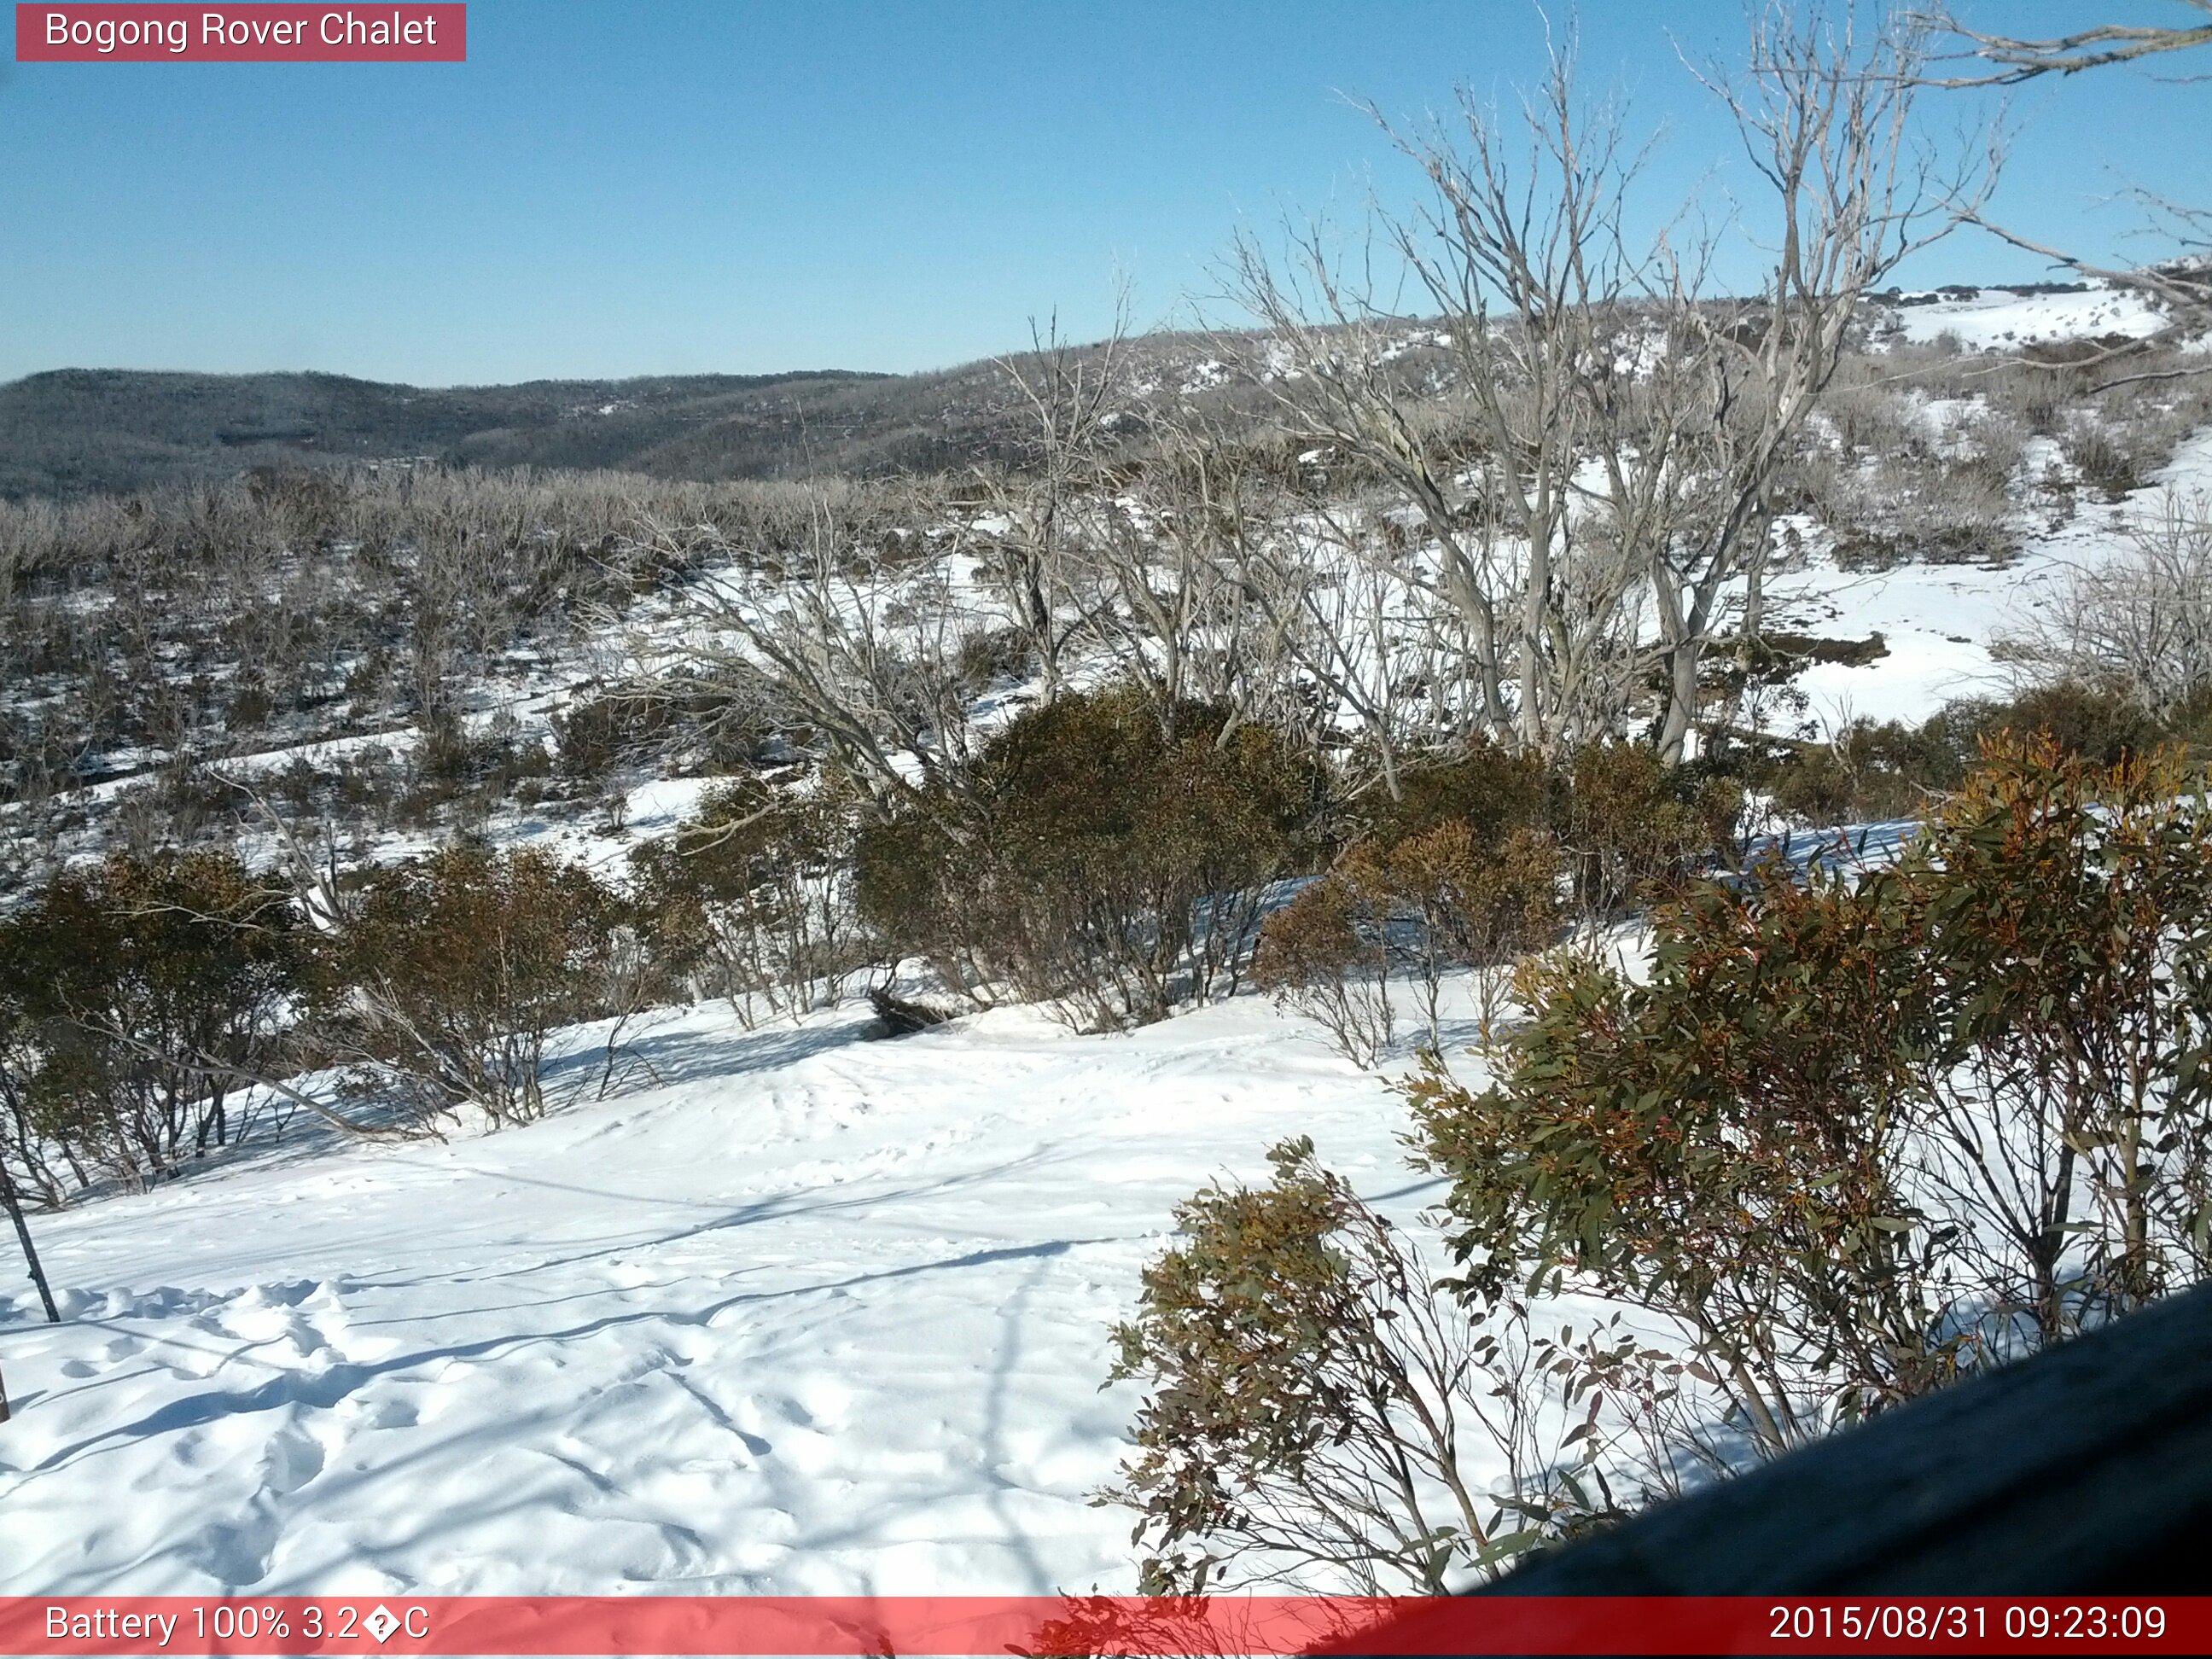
{"x":136,"y":996}
{"x":1856,"y":1133}
{"x":1320,"y":1414}
{"x":1861,"y":1131}
{"x":749,"y":900}
{"x":1104,"y":854}
{"x":443,"y":985}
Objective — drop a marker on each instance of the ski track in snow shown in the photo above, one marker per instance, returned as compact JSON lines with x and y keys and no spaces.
{"x":811,"y":1313}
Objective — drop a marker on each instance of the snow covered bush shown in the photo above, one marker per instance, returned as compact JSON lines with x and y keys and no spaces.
{"x":1855,"y":1134}
{"x":1462,"y":904}
{"x":2062,"y":1121}
{"x":1104,"y":854}
{"x":1713,"y":1149}
{"x":1324,"y":955}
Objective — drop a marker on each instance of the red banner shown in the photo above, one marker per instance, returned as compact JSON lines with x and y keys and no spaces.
{"x":288,"y":33}
{"x":1043,"y":1625}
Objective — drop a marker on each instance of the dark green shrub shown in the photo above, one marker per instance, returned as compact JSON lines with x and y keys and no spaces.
{"x":445,"y":982}
{"x":251,"y":705}
{"x":1104,"y":854}
{"x":143,"y":991}
{"x":1489,"y":789}
{"x":994,"y":657}
{"x":907,"y":894}
{"x":1890,"y":770}
{"x":592,"y":737}
{"x":749,"y":898}
{"x":1632,"y":826}
{"x":1871,"y":771}
{"x":2094,"y":723}
{"x":471,"y":771}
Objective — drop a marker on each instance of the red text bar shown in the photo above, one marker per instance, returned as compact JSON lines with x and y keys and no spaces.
{"x":288,"y":33}
{"x":1041,"y":1626}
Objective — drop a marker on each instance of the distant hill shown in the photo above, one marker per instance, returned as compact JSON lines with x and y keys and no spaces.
{"x":75,"y":431}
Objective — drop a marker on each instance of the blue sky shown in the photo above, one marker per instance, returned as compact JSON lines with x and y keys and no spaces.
{"x":669,"y":186}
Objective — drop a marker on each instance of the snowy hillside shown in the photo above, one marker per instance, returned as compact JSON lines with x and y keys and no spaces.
{"x":812,"y":1314}
{"x":1996,"y":319}
{"x":793,"y":1309}
{"x":1938,"y":621}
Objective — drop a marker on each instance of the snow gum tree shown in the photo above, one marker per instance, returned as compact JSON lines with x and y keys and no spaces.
{"x":1590,"y":464}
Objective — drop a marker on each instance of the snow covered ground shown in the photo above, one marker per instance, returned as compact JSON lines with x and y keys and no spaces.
{"x":1939,"y":620}
{"x":807,"y":1314}
{"x":1996,"y":318}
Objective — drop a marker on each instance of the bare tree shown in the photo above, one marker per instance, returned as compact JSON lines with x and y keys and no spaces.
{"x":1165,"y":556}
{"x":2182,"y":285}
{"x":1519,"y":249}
{"x":1073,"y":397}
{"x":1824,"y":110}
{"x":1365,"y":648}
{"x":2011,"y":60}
{"x":852,"y":640}
{"x":1607,"y":431}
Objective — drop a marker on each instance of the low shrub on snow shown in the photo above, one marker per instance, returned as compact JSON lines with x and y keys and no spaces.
{"x":1317,"y":1402}
{"x":1632,"y":827}
{"x":1479,"y":860}
{"x":749,"y":899}
{"x":443,"y":984}
{"x":1886,"y":770}
{"x":1856,"y":1134}
{"x":1104,"y":854}
{"x":134,"y":998}
{"x":1422,"y":906}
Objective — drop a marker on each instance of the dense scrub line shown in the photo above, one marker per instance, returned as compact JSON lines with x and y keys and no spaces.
{"x":1107,"y":855}
{"x":184,"y":624}
{"x":1104,"y":855}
